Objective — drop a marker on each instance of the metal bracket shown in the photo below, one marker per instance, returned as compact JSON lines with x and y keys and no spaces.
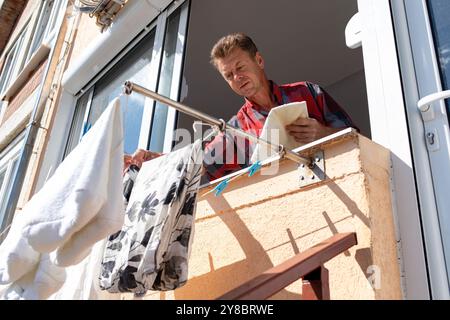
{"x":312,"y":174}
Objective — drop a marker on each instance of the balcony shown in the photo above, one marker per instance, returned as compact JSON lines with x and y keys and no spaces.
{"x":262,"y":221}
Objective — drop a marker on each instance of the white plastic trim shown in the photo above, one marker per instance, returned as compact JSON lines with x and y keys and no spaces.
{"x":353,"y":31}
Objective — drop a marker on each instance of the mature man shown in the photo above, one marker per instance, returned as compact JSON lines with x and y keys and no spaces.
{"x":240,"y":63}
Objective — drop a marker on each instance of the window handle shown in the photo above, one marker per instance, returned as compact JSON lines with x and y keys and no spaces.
{"x":424,"y":104}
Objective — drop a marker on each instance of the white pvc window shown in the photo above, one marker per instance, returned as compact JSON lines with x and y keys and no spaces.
{"x":153,"y":60}
{"x":163,"y":122}
{"x":76,"y":131}
{"x":45,"y":26}
{"x":8,"y":164}
{"x":50,"y":31}
{"x":13,"y":63}
{"x":430,"y":64}
{"x":27,"y":43}
{"x":135,"y":66}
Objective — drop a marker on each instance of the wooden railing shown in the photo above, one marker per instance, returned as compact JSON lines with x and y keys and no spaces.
{"x":307,"y":265}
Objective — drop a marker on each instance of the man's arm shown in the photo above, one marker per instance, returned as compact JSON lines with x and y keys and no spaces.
{"x":138,"y":157}
{"x":335,"y":118}
{"x":309,"y":129}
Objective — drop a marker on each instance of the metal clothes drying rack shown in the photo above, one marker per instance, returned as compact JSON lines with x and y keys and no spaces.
{"x":220,"y":124}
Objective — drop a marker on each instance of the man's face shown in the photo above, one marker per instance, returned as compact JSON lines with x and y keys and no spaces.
{"x":244,"y":74}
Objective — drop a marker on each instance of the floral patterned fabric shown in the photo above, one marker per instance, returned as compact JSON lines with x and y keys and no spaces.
{"x":152,"y":249}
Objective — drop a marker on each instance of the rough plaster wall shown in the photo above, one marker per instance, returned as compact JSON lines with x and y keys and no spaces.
{"x":300,"y":40}
{"x":375,"y":166}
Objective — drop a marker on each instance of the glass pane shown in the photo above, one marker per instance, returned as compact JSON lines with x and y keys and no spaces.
{"x":38,"y":36}
{"x":165,"y":82}
{"x":20,"y":63}
{"x":135,"y":66}
{"x":9,"y":67}
{"x":54,"y":16}
{"x":2,"y":178}
{"x":6,"y":70}
{"x":77,"y":123}
{"x":12,"y":65}
{"x":439,"y":11}
{"x":7,"y":190}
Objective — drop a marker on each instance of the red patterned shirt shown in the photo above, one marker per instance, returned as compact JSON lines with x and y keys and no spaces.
{"x":226,"y":154}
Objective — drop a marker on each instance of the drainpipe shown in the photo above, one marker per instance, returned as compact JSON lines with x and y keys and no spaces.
{"x":33,"y":127}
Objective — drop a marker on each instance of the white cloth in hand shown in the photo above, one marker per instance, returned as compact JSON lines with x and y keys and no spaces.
{"x":274,"y":129}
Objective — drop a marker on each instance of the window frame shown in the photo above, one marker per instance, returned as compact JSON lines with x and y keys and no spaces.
{"x":17,"y":62}
{"x":24,"y":47}
{"x":175,"y":80}
{"x":159,"y":27}
{"x":38,"y":24}
{"x":7,"y":157}
{"x":421,"y":75}
{"x":48,"y":33}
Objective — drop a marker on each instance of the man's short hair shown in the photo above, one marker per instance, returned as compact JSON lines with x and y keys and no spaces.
{"x":228,"y":43}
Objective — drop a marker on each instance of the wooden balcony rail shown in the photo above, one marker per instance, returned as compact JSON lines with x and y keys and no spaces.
{"x":307,"y":265}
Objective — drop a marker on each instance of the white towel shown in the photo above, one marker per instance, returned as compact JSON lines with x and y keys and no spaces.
{"x":16,"y":256}
{"x":15,"y":290}
{"x":48,"y":279}
{"x":274,"y":129}
{"x":29,"y":274}
{"x":40,"y":283}
{"x":78,"y":206}
{"x":82,"y":279}
{"x":82,"y":202}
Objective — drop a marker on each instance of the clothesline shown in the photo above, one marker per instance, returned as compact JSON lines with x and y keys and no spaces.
{"x":220,"y":124}
{"x":55,"y":246}
{"x":223,"y":184}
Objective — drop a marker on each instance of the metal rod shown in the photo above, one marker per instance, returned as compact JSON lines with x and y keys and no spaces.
{"x":129,"y":87}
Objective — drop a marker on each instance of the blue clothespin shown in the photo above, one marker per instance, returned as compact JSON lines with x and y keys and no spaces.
{"x":254,"y":168}
{"x":221,"y":186}
{"x":86,"y":127}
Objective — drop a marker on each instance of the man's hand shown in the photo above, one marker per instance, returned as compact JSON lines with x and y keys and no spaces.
{"x":138,"y":157}
{"x":308,"y":130}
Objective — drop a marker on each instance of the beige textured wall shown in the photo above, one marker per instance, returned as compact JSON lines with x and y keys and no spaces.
{"x":86,"y":33}
{"x":261,"y":221}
